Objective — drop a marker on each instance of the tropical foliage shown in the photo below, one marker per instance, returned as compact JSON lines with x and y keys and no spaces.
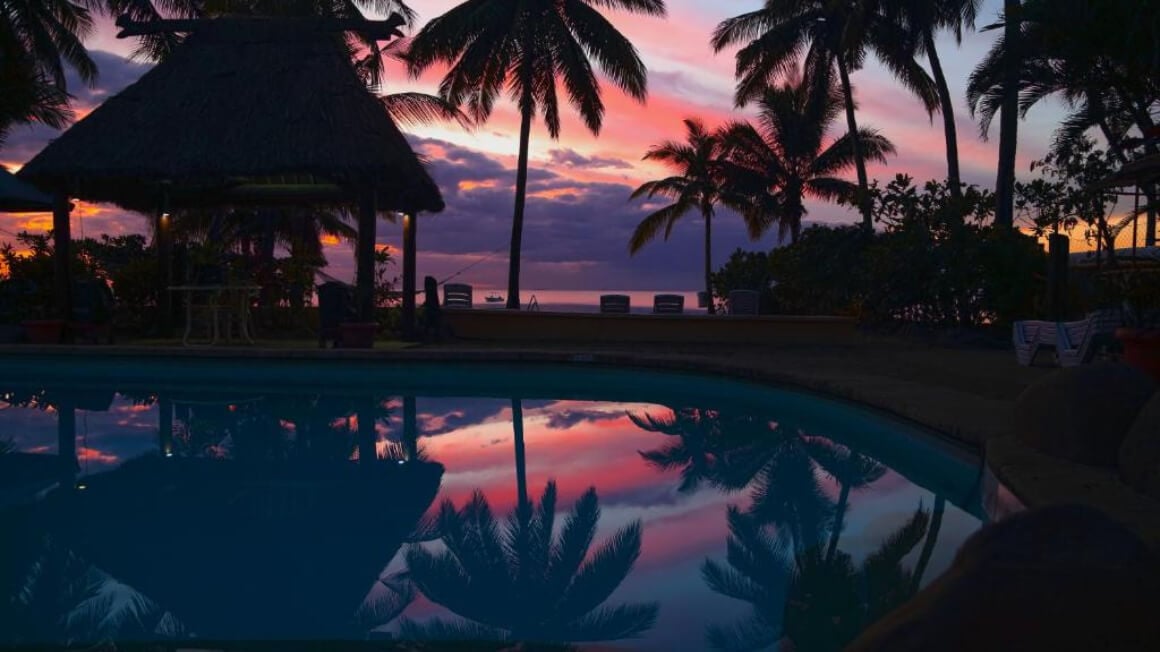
{"x":820,"y":36}
{"x":784,"y":160}
{"x":526,"y":48}
{"x":552,"y":585}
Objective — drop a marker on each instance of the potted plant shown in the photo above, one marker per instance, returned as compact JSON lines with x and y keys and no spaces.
{"x":1140,"y":335}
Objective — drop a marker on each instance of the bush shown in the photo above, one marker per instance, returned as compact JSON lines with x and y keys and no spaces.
{"x":822,"y":273}
{"x":745,"y":270}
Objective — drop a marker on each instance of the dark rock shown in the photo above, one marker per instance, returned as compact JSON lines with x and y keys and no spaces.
{"x":1082,"y":413}
{"x":1140,"y":452}
{"x":1064,"y":577}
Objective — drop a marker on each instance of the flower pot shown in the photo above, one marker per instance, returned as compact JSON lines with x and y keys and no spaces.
{"x":357,"y":335}
{"x":43,"y":331}
{"x":1141,"y":349}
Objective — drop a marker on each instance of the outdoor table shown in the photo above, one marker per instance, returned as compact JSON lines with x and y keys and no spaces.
{"x":229,"y":301}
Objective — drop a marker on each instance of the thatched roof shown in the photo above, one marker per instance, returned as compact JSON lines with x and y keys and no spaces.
{"x":266,"y":110}
{"x":19,"y":197}
{"x":1141,"y":171}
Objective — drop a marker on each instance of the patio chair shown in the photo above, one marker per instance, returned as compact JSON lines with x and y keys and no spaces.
{"x":335,"y":306}
{"x":614,"y":303}
{"x":743,"y":302}
{"x":668,"y":304}
{"x":1030,"y":337}
{"x":457,"y":295}
{"x":1078,"y":341}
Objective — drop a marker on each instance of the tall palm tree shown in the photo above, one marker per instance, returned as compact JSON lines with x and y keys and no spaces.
{"x":785,"y":159}
{"x":1009,"y":119}
{"x":1093,"y":55}
{"x":923,"y":19}
{"x":552,"y":587}
{"x":832,"y":34}
{"x":852,"y":470}
{"x":527,"y":47}
{"x":38,"y":41}
{"x":700,"y":183}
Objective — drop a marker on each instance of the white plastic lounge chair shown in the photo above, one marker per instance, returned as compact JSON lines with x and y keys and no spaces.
{"x":457,"y":295}
{"x":668,"y":304}
{"x":614,"y":303}
{"x":1077,"y":341}
{"x":1030,"y":337}
{"x":743,"y":302}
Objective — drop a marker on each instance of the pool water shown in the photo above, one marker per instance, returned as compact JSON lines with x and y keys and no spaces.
{"x":218,"y":500}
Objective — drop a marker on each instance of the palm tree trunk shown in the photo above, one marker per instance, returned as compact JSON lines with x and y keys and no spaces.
{"x":859,"y":158}
{"x":1009,"y":118}
{"x":521,"y":462}
{"x":708,"y":260}
{"x":513,"y":297}
{"x":940,"y":505}
{"x":839,"y":516}
{"x":948,"y":115}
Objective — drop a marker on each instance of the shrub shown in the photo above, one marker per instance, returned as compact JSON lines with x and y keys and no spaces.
{"x":745,"y":270}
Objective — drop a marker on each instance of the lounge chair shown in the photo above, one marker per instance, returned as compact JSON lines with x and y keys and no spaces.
{"x":668,"y":304}
{"x":1030,"y":337}
{"x":457,"y":295}
{"x":743,"y":302}
{"x":1076,"y":342}
{"x":614,"y":303}
{"x":335,"y":306}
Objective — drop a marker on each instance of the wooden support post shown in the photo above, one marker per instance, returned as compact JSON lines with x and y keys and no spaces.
{"x":365,"y":263}
{"x":1058,"y":245}
{"x":367,"y":436}
{"x":62,"y":256}
{"x":410,"y":429}
{"x":163,"y":239}
{"x":410,"y":224}
{"x":66,"y":442}
{"x":165,"y":426}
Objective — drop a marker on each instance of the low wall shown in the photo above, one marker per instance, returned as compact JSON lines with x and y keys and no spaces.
{"x":512,"y":325}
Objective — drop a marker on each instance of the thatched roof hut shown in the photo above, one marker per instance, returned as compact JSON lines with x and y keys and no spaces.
{"x":247,"y":109}
{"x":17,"y":196}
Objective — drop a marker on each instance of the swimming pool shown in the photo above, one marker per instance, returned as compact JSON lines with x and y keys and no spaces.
{"x":238,"y":500}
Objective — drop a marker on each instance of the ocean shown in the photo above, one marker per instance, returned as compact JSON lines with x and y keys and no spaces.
{"x":639,"y":301}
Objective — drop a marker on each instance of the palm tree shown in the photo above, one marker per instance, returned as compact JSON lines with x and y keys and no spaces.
{"x":852,"y":470}
{"x":526,"y":47}
{"x":781,"y":161}
{"x":923,"y":19}
{"x":800,"y":598}
{"x":1009,"y":120}
{"x":38,"y":40}
{"x":552,"y":587}
{"x":700,"y":184}
{"x":1088,"y":53}
{"x":832,"y":34}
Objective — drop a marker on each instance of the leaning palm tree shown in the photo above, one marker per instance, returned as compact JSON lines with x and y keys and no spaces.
{"x":526,"y":48}
{"x":785,"y":158}
{"x":552,"y":587}
{"x":700,"y":183}
{"x":852,"y":471}
{"x":923,"y":19}
{"x":819,"y":36}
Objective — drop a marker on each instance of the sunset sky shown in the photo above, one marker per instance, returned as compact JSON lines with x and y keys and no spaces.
{"x":579,"y":217}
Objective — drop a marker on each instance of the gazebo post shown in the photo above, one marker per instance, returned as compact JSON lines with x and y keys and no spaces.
{"x":365,"y":254}
{"x":163,"y":237}
{"x":62,"y":248}
{"x":66,"y":442}
{"x":410,"y":223}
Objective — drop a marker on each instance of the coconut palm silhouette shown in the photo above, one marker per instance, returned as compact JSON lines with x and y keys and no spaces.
{"x":811,"y":599}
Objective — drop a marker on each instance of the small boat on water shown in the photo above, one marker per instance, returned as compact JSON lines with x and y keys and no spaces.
{"x":493,"y":298}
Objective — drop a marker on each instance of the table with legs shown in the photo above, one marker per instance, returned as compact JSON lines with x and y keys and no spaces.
{"x":218,"y":302}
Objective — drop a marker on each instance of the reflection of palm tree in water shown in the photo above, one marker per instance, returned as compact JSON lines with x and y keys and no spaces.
{"x":811,"y":600}
{"x":522,"y":582}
